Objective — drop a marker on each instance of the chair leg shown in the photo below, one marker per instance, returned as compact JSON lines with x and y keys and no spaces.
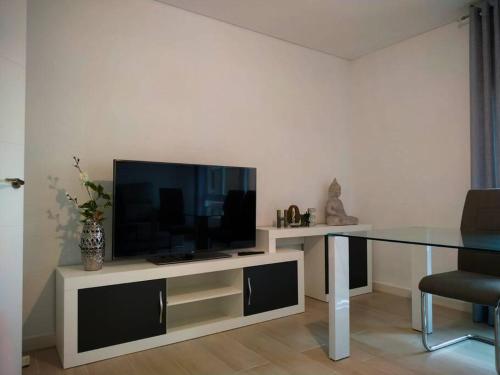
{"x":496,"y":342}
{"x":425,"y":336}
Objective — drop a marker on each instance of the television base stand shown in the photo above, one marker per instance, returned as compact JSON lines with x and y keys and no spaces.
{"x":182,"y":258}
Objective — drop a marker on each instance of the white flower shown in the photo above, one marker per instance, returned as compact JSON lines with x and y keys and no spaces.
{"x":84,"y":177}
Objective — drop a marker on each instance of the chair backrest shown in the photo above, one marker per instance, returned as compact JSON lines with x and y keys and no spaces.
{"x":481,"y":213}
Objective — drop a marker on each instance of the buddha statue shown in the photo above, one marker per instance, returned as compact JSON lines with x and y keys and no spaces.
{"x":335,"y":213}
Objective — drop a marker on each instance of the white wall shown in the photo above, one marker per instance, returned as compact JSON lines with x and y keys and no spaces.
{"x":411,"y":142}
{"x":137,"y":79}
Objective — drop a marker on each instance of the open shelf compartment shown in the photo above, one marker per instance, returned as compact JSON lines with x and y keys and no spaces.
{"x":206,"y":286}
{"x":199,"y":313}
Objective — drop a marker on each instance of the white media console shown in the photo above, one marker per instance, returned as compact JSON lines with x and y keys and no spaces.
{"x":130,"y":306}
{"x":312,"y":240}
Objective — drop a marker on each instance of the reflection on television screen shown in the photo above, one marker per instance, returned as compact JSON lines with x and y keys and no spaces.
{"x":168,"y":208}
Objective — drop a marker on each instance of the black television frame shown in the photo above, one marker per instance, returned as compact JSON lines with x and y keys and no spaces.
{"x":144,"y":256}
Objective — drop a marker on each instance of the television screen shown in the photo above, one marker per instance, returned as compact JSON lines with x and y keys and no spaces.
{"x":170,"y":208}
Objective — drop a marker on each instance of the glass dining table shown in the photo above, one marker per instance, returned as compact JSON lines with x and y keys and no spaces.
{"x":422,"y":240}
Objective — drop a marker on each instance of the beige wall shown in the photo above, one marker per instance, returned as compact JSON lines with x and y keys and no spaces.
{"x":411,"y":142}
{"x":137,"y":79}
{"x":140,"y":80}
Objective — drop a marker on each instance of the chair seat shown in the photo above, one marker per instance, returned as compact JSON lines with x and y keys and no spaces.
{"x":466,"y":286}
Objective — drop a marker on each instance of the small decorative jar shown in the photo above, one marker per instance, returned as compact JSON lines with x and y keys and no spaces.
{"x":92,"y":245}
{"x":312,"y":216}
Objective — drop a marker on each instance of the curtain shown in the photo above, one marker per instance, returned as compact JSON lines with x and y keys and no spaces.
{"x":484,"y":49}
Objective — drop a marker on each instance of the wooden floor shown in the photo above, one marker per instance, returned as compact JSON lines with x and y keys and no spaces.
{"x":382,"y":343}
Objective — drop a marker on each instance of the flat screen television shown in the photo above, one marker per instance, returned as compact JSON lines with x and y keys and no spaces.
{"x":181,"y":210}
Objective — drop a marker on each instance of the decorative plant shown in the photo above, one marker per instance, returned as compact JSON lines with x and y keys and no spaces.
{"x":306,"y":219}
{"x":93,"y":209}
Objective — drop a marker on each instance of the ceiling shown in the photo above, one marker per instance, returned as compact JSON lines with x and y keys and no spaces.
{"x":344,"y":28}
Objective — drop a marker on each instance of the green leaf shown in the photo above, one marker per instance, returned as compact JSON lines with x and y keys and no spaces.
{"x":91,"y":185}
{"x":85,"y":205}
{"x":90,"y":205}
{"x":106,"y":196}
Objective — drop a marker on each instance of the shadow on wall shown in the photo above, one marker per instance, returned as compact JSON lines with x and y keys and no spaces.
{"x":68,"y":224}
{"x":68,"y":228}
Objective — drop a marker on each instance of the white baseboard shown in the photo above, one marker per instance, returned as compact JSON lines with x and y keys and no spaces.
{"x":406,"y":293}
{"x":453,"y":304}
{"x":26,"y":361}
{"x":38,"y":342}
{"x":391,"y":289}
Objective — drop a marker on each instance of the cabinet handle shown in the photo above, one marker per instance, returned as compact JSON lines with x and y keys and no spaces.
{"x":249,"y":282}
{"x":161,"y":306}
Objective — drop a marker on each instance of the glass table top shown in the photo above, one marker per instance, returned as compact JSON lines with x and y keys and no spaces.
{"x":427,"y":236}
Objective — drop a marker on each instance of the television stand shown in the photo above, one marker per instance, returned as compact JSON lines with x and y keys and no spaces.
{"x":182,"y":258}
{"x":130,"y":306}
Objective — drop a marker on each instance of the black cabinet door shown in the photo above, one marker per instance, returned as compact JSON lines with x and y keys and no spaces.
{"x":358,"y":263}
{"x":269,"y":287}
{"x":116,"y":314}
